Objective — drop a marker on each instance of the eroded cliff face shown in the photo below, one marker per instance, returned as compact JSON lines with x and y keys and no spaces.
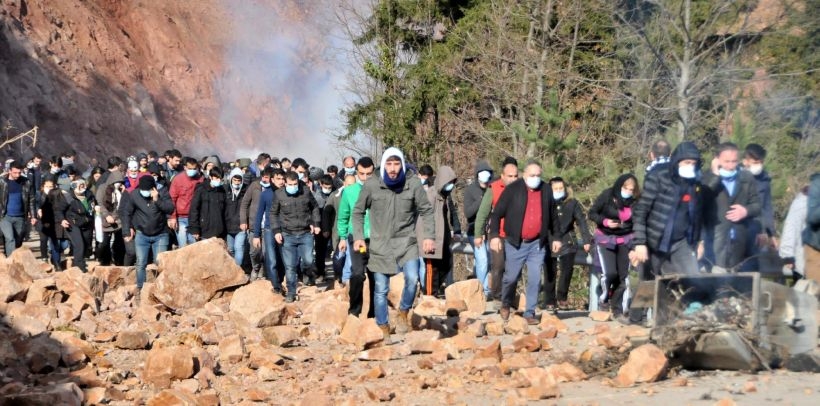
{"x":107,"y":76}
{"x":115,"y":77}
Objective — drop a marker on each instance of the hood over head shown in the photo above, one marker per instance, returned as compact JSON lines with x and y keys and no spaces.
{"x":444,"y":176}
{"x":482,"y":165}
{"x":392,"y":151}
{"x":684,"y":150}
{"x":619,"y":183}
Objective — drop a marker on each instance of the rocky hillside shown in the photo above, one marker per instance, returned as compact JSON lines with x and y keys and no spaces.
{"x":108,"y":76}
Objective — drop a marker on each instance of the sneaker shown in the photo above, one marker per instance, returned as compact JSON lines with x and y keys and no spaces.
{"x":532,"y":320}
{"x":505,"y":313}
{"x":623,"y":319}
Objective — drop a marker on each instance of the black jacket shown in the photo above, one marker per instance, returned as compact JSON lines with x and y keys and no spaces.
{"x":233,"y":205}
{"x":512,"y":205}
{"x":79,"y":215}
{"x":472,"y":197}
{"x":719,"y":228}
{"x":207,"y":215}
{"x":29,"y":208}
{"x":607,"y":206}
{"x":144,"y":214}
{"x":664,"y":193}
{"x":294,"y":214}
{"x":47,"y":204}
{"x":567,"y":215}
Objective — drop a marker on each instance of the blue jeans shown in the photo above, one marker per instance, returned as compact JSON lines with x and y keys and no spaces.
{"x":270,"y":248}
{"x":12,"y":229}
{"x":57,"y":246}
{"x":143,"y":243}
{"x":482,"y":265}
{"x":183,"y":237}
{"x":346,"y":269}
{"x":408,"y":295}
{"x":294,"y":248}
{"x":236,"y":246}
{"x":531,"y":254}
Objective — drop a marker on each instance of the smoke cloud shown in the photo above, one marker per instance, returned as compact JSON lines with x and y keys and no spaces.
{"x":280,"y":90}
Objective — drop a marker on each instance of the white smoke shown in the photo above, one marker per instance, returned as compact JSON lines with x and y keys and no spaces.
{"x":280,"y":91}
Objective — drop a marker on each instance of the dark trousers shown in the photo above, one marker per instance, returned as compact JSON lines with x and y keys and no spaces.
{"x":320,"y":246}
{"x":111,"y":249}
{"x":497,"y":260}
{"x":442,"y":271}
{"x":80,"y":245}
{"x":615,"y":263}
{"x":566,"y":262}
{"x":130,"y":258}
{"x":358,"y":270}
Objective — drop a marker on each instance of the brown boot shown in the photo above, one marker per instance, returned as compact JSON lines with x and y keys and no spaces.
{"x":386,"y":331}
{"x":403,"y":322}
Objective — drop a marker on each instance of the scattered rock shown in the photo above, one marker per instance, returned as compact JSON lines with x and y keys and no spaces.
{"x":517,"y":361}
{"x":163,"y":365}
{"x":600,"y":316}
{"x":375,"y":373}
{"x":63,"y":394}
{"x":517,"y":325}
{"x":232,"y":349}
{"x":548,"y":320}
{"x":528,"y":343}
{"x":471,"y":292}
{"x":429,"y":306}
{"x":376,"y":354}
{"x":491,"y":351}
{"x":257,"y":304}
{"x":133,"y":340}
{"x":173,"y":397}
{"x":494,"y":328}
{"x":283,"y":336}
{"x":191,"y":276}
{"x":646,"y":363}
{"x":421,"y":341}
{"x":15,"y":282}
{"x":566,"y":372}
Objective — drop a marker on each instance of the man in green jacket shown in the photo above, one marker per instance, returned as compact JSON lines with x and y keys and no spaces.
{"x":358,"y":260}
{"x":395,"y":200}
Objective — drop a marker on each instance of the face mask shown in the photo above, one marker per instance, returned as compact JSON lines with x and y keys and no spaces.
{"x":55,"y":170}
{"x":145,"y":193}
{"x":533,"y":182}
{"x":423,"y":181}
{"x":326,"y":190}
{"x":191,"y":172}
{"x":558,"y":195}
{"x":626,"y":194}
{"x":216,"y":183}
{"x":236,"y":186}
{"x":359,"y":182}
{"x":79,"y":192}
{"x":46,"y":190}
{"x":350,"y":171}
{"x":725,"y":173}
{"x":449,"y":187}
{"x":301,"y":175}
{"x":687,"y":171}
{"x":30,"y":165}
{"x":756,"y":169}
{"x":291,"y":189}
{"x":484,"y":176}
{"x":264,"y":184}
{"x":132,"y":175}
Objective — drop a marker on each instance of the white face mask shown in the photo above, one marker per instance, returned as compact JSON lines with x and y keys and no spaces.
{"x":756,"y":169}
{"x":326,"y":190}
{"x":449,"y":187}
{"x":484,"y":176}
{"x":533,"y":182}
{"x":686,"y":171}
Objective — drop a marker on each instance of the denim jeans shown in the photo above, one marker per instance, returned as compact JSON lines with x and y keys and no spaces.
{"x":531,"y":254}
{"x":143,"y":243}
{"x":236,"y":246}
{"x":12,"y":229}
{"x":183,"y":237}
{"x":408,"y":295}
{"x":294,"y":248}
{"x":57,"y":246}
{"x":271,"y":271}
{"x":482,"y":265}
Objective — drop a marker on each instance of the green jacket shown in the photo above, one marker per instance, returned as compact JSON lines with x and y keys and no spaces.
{"x":483,"y":215}
{"x":347,"y":201}
{"x":393,"y":239}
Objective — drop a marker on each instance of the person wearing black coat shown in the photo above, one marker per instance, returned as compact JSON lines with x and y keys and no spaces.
{"x":76,"y":215}
{"x":207,"y":215}
{"x":567,"y":216}
{"x":732,"y":208}
{"x":237,"y":238}
{"x":54,"y":233}
{"x":668,"y":216}
{"x":612,"y":212}
{"x":473,"y":195}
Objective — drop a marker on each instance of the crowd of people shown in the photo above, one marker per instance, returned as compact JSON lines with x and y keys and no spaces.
{"x":281,"y":219}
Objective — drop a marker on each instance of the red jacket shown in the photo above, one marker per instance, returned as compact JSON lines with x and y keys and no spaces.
{"x":132,"y":183}
{"x":497,"y":187}
{"x":182,"y":192}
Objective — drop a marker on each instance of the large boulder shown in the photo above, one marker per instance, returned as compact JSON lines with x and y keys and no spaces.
{"x":15,"y":282}
{"x":67,"y":394}
{"x":83,"y":290}
{"x":646,"y":363}
{"x":167,"y":364}
{"x":191,"y":276}
{"x":471,"y":292}
{"x":327,"y":315}
{"x":32,"y":319}
{"x":257,"y":304}
{"x":26,"y":259}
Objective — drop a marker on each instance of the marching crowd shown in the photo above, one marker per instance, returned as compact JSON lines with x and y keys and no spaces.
{"x":281,"y":219}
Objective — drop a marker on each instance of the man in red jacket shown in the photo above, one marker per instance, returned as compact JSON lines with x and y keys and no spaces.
{"x":182,"y":192}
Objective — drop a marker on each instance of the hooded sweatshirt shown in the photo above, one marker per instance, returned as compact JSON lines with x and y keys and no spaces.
{"x":473,"y":195}
{"x":438,"y":197}
{"x":393,"y":215}
{"x":611,"y":206}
